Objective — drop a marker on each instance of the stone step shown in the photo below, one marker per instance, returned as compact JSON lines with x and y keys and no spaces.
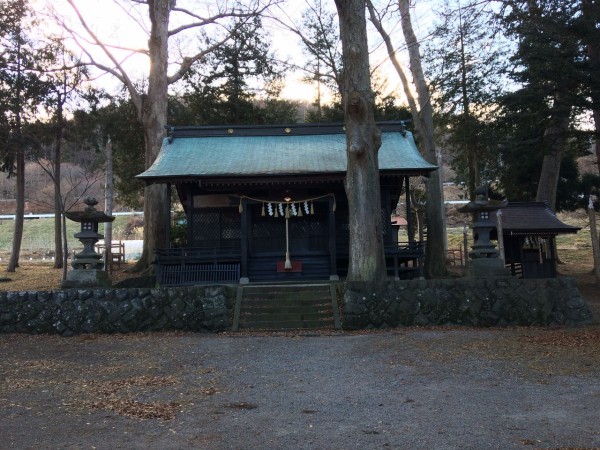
{"x":289,"y":293}
{"x":288,"y":325}
{"x":286,"y":306}
{"x":284,"y":317}
{"x":260,"y":302}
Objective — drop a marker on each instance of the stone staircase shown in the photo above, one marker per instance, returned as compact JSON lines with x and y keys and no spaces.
{"x":286,"y":307}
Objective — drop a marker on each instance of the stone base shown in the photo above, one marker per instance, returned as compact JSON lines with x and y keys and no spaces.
{"x":486,"y":267}
{"x":87,"y":278}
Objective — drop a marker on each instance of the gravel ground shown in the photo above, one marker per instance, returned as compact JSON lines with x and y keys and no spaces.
{"x":407,"y":388}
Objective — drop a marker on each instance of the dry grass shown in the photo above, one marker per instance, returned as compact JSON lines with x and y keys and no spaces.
{"x":41,"y":276}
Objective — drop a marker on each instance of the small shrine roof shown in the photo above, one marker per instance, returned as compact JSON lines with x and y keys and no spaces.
{"x":276,"y":150}
{"x":528,"y":218}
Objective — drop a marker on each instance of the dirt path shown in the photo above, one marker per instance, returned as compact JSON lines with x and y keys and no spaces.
{"x":428,"y":388}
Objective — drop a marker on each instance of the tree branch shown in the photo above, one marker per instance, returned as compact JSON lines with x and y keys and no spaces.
{"x":118,"y":71}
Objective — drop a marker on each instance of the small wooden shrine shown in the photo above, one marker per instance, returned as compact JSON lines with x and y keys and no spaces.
{"x":529,"y":231}
{"x":267,"y":203}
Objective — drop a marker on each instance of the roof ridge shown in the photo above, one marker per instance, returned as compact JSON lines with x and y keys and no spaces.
{"x":294,"y":129}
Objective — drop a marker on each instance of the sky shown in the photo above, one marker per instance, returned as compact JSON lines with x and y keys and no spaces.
{"x":109,"y":20}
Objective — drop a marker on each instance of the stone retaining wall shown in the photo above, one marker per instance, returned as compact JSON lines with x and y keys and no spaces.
{"x":463,"y":301}
{"x":74,"y":311}
{"x":479,"y":302}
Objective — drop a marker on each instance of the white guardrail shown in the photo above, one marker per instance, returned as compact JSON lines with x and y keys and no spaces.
{"x":46,"y":216}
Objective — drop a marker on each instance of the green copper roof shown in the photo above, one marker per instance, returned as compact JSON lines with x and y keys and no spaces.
{"x":296,"y":151}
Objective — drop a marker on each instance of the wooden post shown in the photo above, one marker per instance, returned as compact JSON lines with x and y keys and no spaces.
{"x":409,"y":220}
{"x":169,"y":218}
{"x":594,"y":235}
{"x":244,"y":243}
{"x":190,"y":216}
{"x":333,"y":276}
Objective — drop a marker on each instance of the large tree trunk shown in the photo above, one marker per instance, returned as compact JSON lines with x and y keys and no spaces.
{"x":435,"y":261}
{"x":13,"y":263}
{"x":593,"y":53}
{"x":596,"y":114}
{"x":391,"y":51}
{"x":363,"y":139}
{"x":108,"y":205}
{"x":555,"y":140}
{"x":57,"y":218}
{"x":58,"y":258}
{"x":154,"y":118}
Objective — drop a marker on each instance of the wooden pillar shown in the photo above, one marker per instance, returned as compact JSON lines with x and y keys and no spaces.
{"x":245,"y":225}
{"x":409,"y":222}
{"x":522,"y":256}
{"x":333,"y":275}
{"x":168,"y":216}
{"x":189,"y":201}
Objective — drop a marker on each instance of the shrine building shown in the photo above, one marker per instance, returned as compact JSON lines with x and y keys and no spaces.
{"x":267,"y":203}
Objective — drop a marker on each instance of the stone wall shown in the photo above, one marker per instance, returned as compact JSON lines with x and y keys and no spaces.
{"x":471,"y":302}
{"x":463,"y":301}
{"x":74,"y":311}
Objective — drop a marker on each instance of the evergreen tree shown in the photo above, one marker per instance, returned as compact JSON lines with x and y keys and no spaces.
{"x":22,"y":90}
{"x":464,"y":61}
{"x":225,"y":88}
{"x":547,"y":66}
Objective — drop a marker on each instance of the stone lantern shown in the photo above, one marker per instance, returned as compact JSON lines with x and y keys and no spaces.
{"x":484,"y":254}
{"x":87,"y":264}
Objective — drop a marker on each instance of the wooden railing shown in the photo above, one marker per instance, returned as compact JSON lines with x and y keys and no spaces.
{"x":117,"y":253}
{"x":189,"y":266}
{"x":407,"y":259}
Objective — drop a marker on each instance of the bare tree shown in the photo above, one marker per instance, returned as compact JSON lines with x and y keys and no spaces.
{"x":363,"y":139}
{"x":151,"y":100}
{"x":76,"y":183}
{"x":423,"y":119}
{"x":64,"y":77}
{"x":319,"y":36}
